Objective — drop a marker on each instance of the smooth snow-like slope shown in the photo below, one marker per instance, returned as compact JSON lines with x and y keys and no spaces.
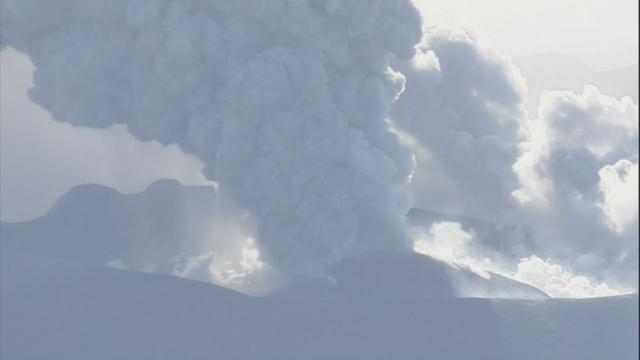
{"x":53,"y":309}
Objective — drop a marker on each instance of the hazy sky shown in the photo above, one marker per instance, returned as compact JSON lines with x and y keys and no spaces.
{"x":600,"y":33}
{"x":36,"y":150}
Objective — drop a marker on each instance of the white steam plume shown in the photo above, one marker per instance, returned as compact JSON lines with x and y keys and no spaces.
{"x":557,"y":281}
{"x":577,"y":162}
{"x":449,"y":242}
{"x":569,"y":174}
{"x":463,"y":105}
{"x":619,"y":187}
{"x":284,"y":100}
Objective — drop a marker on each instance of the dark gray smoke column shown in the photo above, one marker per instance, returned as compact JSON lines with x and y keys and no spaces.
{"x":285,"y":100}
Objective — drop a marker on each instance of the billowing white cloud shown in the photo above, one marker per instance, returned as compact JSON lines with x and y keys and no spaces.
{"x":463,"y":107}
{"x":575,"y":164}
{"x":619,"y":187}
{"x":573,"y":136}
{"x":478,"y":154}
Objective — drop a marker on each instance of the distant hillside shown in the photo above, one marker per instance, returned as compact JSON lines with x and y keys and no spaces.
{"x":553,"y":71}
{"x":95,"y":224}
{"x":169,"y":220}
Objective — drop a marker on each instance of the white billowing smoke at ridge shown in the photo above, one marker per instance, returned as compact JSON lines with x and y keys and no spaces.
{"x":557,"y":281}
{"x":578,"y":175}
{"x":285,"y":102}
{"x":451,"y":243}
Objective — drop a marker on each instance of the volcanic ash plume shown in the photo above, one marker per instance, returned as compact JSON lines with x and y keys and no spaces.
{"x":284,"y":100}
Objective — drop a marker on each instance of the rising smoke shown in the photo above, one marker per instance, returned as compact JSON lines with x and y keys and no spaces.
{"x":464,"y":105}
{"x":284,"y":100}
{"x":569,"y":173}
{"x":579,"y":157}
{"x":287,"y":104}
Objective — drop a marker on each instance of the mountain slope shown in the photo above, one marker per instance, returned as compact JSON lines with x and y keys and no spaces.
{"x":401,"y":277}
{"x":57,"y":301}
{"x":552,"y":71}
{"x":55,"y":310}
{"x":145,"y":231}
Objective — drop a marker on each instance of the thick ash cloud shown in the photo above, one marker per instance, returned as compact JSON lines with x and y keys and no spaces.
{"x":463,"y":105}
{"x":285,"y":102}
